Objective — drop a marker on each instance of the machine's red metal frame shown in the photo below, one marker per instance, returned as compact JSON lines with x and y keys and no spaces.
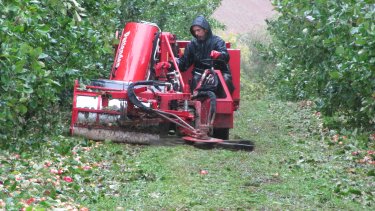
{"x":160,"y":101}
{"x":225,"y":106}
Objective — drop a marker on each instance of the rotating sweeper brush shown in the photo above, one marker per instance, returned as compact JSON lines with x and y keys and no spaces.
{"x":146,"y":96}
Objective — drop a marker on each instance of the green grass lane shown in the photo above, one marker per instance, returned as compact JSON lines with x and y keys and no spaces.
{"x":295,"y":166}
{"x":290,"y":168}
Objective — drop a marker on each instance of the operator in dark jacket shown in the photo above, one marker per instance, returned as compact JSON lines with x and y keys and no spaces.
{"x":205,"y":46}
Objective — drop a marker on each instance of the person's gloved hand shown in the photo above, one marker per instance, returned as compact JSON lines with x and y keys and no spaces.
{"x":215,"y":54}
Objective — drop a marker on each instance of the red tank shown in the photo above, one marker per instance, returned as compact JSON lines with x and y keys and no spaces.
{"x":134,"y":52}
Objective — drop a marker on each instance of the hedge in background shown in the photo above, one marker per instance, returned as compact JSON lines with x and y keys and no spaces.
{"x":45,"y":45}
{"x":325,"y":50}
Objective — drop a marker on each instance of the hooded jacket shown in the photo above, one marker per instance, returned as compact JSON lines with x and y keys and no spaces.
{"x":198,"y":50}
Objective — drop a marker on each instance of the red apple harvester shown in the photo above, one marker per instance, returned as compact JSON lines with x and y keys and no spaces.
{"x":147,"y":98}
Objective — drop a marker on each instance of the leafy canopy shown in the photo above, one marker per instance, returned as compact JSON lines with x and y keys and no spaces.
{"x":325,"y":50}
{"x":46,"y":45}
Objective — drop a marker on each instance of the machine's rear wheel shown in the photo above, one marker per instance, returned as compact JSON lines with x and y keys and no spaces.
{"x":221,"y":133}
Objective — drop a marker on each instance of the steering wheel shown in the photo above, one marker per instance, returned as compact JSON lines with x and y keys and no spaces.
{"x":212,"y":63}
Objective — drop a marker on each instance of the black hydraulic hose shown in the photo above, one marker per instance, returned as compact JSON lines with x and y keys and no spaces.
{"x":133,"y":98}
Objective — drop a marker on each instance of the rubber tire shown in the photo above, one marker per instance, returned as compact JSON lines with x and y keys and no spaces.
{"x":221,"y":133}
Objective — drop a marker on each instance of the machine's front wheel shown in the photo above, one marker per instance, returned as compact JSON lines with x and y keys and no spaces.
{"x":221,"y":133}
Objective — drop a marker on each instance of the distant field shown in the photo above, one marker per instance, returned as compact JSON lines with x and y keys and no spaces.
{"x":243,"y":16}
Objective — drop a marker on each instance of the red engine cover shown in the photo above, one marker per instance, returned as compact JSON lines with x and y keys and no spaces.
{"x":134,"y":52}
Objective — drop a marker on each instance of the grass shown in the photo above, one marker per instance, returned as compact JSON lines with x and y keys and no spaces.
{"x":294,"y":166}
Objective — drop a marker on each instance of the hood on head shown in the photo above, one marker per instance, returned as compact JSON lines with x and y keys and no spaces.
{"x":202,"y":22}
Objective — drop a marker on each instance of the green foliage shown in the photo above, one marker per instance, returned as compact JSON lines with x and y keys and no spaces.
{"x":173,"y":16}
{"x":255,"y":71}
{"x":325,"y":50}
{"x":254,"y":66}
{"x":46,"y":45}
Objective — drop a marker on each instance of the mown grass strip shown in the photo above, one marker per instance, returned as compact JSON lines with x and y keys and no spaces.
{"x":294,"y":166}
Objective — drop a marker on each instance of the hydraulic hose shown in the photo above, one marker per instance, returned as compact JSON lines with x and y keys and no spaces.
{"x":133,"y":98}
